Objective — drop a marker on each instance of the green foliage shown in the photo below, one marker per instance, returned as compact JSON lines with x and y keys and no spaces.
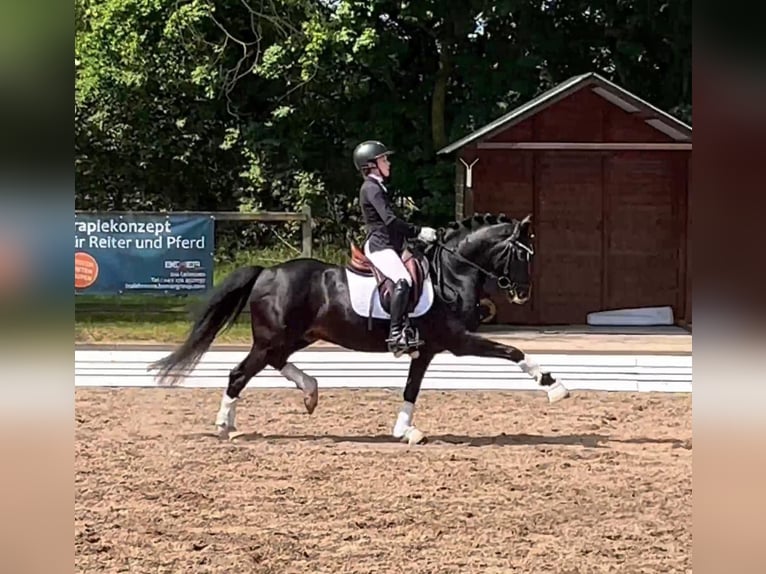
{"x":225,"y":104}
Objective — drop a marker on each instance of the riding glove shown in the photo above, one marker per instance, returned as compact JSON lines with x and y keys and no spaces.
{"x":427,"y":235}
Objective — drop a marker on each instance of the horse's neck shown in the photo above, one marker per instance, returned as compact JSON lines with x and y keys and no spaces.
{"x":453,"y":277}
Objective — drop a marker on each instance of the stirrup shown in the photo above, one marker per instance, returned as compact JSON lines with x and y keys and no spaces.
{"x":406,"y":341}
{"x":399,"y":350}
{"x":411,"y":338}
{"x":396,"y":342}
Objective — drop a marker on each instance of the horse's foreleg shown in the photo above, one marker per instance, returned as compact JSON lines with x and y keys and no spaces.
{"x":238,"y":378}
{"x":403,"y":428}
{"x":468,"y":344}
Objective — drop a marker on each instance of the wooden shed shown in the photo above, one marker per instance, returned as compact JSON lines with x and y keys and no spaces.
{"x":606,"y":177}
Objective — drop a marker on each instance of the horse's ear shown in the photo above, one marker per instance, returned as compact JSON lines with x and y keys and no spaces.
{"x":526,"y":221}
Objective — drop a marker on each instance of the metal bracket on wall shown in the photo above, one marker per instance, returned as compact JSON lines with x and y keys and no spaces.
{"x":468,"y":171}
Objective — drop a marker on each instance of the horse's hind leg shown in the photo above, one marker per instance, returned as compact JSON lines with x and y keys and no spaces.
{"x":239,"y":376}
{"x":277,"y":358}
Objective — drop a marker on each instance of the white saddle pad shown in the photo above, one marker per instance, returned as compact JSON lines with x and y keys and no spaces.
{"x":361,"y":289}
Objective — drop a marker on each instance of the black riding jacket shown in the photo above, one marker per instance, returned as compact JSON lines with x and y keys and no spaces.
{"x":384,"y":229}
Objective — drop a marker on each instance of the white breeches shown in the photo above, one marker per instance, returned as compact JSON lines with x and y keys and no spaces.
{"x":389,"y":263}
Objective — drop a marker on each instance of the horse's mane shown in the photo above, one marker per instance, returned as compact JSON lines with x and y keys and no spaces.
{"x":450,"y":236}
{"x":456,"y":231}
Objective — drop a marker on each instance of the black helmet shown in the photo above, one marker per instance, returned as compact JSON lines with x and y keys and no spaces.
{"x":367,"y":152}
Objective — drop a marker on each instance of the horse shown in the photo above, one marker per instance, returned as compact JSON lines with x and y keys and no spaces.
{"x":301,"y":301}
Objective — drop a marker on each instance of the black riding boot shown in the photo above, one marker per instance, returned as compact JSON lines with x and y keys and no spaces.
{"x":399,"y":298}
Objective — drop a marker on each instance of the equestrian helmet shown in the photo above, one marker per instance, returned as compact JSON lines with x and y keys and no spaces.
{"x":367,"y":152}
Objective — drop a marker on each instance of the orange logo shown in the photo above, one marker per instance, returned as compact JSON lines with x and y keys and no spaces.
{"x":85,"y":270}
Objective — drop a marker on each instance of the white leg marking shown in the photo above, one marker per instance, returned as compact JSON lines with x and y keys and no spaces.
{"x":414,"y":435}
{"x":227,"y":414}
{"x":404,"y":420}
{"x":557,"y":391}
{"x":293,"y":374}
{"x":304,"y":382}
{"x":530,"y":367}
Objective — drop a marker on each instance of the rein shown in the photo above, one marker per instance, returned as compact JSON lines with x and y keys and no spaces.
{"x":503,"y":281}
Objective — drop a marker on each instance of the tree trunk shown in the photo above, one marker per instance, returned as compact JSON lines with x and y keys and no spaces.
{"x":439,"y":101}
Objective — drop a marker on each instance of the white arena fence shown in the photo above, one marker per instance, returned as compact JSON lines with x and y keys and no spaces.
{"x":354,"y":370}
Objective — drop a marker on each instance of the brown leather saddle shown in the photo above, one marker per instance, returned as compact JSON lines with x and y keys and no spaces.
{"x":416,"y":265}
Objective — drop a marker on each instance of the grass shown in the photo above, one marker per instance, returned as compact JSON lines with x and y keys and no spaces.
{"x":157,"y":318}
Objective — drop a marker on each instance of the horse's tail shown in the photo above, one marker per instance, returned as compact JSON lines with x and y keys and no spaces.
{"x":219,"y":313}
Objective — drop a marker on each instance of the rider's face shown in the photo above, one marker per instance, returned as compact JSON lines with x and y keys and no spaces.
{"x":384,"y":166}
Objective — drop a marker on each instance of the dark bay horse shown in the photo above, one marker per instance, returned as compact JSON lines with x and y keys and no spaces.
{"x":301,"y":301}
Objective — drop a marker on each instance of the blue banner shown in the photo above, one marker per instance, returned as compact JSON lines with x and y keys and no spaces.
{"x":143,"y":253}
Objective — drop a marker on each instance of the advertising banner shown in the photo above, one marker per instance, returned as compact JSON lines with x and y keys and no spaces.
{"x":143,"y":253}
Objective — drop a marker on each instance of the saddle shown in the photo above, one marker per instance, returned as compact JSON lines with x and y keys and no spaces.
{"x":416,"y":265}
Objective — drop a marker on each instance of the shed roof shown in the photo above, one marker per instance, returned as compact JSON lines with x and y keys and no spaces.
{"x":631,"y":103}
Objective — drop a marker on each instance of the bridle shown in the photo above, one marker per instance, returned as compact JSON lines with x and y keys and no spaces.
{"x":513,"y":247}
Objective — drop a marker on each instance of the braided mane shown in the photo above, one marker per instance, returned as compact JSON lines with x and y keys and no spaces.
{"x":457,"y":230}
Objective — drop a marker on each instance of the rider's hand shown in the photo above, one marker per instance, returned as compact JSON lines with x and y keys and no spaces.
{"x":427,"y":235}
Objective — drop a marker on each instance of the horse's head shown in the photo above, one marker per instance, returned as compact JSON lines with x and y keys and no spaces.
{"x":503,"y":247}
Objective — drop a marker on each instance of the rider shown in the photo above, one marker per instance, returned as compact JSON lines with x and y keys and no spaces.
{"x":386,"y":233}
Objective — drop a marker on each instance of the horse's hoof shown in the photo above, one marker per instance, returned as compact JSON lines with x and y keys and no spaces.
{"x":414,"y":436}
{"x":310,"y":401}
{"x":557,"y":392}
{"x":223,"y":431}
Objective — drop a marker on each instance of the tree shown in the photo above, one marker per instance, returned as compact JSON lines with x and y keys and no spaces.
{"x":222,"y":104}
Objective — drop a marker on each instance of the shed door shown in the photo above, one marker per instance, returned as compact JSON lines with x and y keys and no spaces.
{"x":568,"y":238}
{"x":504,"y":185}
{"x":643,"y":234}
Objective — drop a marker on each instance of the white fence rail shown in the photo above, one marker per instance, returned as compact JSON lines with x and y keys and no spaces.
{"x":344,"y":369}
